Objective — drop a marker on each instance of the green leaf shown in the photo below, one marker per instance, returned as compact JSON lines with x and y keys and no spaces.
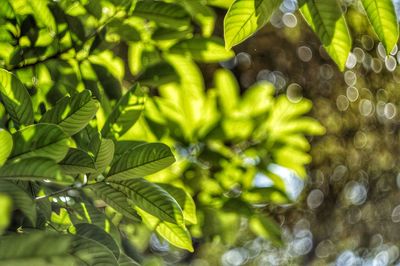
{"x":91,"y":252}
{"x":77,"y":162}
{"x":20,"y":199}
{"x":6,"y":208}
{"x":116,"y":199}
{"x":35,"y":249}
{"x":207,"y":50}
{"x":265,"y":227}
{"x":158,"y":74}
{"x":245,"y":17}
{"x":328,"y":22}
{"x":125,"y":113}
{"x":103,"y":153}
{"x":15,"y":98}
{"x":177,"y":235}
{"x":32,"y":169}
{"x":151,"y":198}
{"x":40,"y":140}
{"x":6,"y":144}
{"x":142,"y":160}
{"x":124,"y":260}
{"x":184,"y":200}
{"x":228,"y":90}
{"x":202,"y":15}
{"x":382,"y":16}
{"x":165,"y":14}
{"x":43,"y":14}
{"x":72,"y":114}
{"x":97,"y":234}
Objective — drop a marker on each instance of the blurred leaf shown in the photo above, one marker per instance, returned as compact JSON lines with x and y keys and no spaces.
{"x":158,"y":74}
{"x":140,"y":161}
{"x":40,"y":140}
{"x":124,"y":260}
{"x":73,"y":113}
{"x":328,"y":22}
{"x":20,"y":199}
{"x":6,"y":145}
{"x":32,"y":169}
{"x":77,"y":162}
{"x":97,"y":234}
{"x":151,"y":198}
{"x":110,"y":83}
{"x":125,"y":113}
{"x":382,"y":16}
{"x":207,"y":50}
{"x":202,"y":14}
{"x":245,"y":17}
{"x":43,"y":14}
{"x":91,"y":252}
{"x":228,"y":90}
{"x":266,"y":228}
{"x":6,"y":207}
{"x":15,"y":98}
{"x":116,"y":199}
{"x":165,"y":14}
{"x":36,"y":249}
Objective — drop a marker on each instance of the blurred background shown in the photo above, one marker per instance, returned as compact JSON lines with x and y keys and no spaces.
{"x":348,"y":211}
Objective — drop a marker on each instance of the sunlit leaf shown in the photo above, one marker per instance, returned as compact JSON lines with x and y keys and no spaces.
{"x":151,"y":198}
{"x":245,"y":17}
{"x":140,"y":161}
{"x":15,"y":98}
{"x":97,"y":234}
{"x":228,"y":90}
{"x":20,"y":199}
{"x":31,"y":169}
{"x":43,"y":14}
{"x":73,"y":113}
{"x":126,"y":112}
{"x":266,"y":228}
{"x":184,"y":200}
{"x":328,"y":22}
{"x":40,"y":140}
{"x":116,"y":199}
{"x":177,"y":235}
{"x":382,"y":15}
{"x":76,"y":162}
{"x":202,"y":15}
{"x":208,"y":50}
{"x":6,"y":144}
{"x":165,"y":14}
{"x":103,"y":152}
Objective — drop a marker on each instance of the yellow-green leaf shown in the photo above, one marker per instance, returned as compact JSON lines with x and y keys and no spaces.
{"x":328,"y":22}
{"x":245,"y":17}
{"x":382,"y":16}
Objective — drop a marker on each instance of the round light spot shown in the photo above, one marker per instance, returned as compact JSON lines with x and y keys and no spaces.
{"x":304,"y":53}
{"x":342,"y":103}
{"x":324,"y":249}
{"x":302,"y":246}
{"x":366,"y":107}
{"x":390,"y":110}
{"x":396,"y":214}
{"x":376,"y":65}
{"x":355,"y":193}
{"x":315,"y":198}
{"x":360,"y":140}
{"x":235,"y":257}
{"x":290,"y":20}
{"x":367,"y":42}
{"x":350,"y":78}
{"x":351,"y":61}
{"x":390,"y":63}
{"x":294,"y":92}
{"x":394,"y":50}
{"x":352,"y":93}
{"x":359,"y":53}
{"x":326,"y":71}
{"x":381,"y":51}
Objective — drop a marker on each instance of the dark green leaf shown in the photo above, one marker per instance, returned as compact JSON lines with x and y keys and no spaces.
{"x":6,"y":144}
{"x":77,"y":162}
